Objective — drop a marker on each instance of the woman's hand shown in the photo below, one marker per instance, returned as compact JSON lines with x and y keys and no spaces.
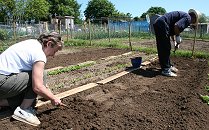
{"x":56,"y":102}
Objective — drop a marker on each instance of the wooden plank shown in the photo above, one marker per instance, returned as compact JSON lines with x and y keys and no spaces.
{"x":145,"y":63}
{"x":68,"y":93}
{"x":116,"y":76}
{"x":76,"y":90}
{"x":91,"y":85}
{"x":124,"y":72}
{"x":113,"y":57}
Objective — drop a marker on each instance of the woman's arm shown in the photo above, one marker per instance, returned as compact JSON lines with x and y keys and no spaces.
{"x":37,"y":82}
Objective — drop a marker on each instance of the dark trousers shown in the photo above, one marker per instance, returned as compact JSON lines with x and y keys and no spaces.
{"x":163,"y":43}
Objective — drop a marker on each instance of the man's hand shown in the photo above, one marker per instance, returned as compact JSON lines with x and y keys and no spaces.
{"x":176,"y":45}
{"x":178,"y":39}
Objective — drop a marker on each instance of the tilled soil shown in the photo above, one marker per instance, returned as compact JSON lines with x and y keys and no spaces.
{"x":75,"y":55}
{"x":140,"y":100}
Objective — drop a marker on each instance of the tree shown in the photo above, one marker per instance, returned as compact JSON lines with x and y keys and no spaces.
{"x":65,"y":8}
{"x":24,"y":9}
{"x":136,"y":18}
{"x":153,"y":10}
{"x":37,"y":9}
{"x":6,"y":9}
{"x":202,"y":18}
{"x":99,"y":8}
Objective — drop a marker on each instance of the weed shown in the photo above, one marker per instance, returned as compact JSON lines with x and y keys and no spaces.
{"x":207,"y":88}
{"x":205,"y":98}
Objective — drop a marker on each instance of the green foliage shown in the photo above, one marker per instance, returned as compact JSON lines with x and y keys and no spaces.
{"x":136,"y":18}
{"x":184,"y":53}
{"x":207,"y":88}
{"x":205,"y":98}
{"x":102,"y":34}
{"x":154,"y":10}
{"x":146,"y":50}
{"x":37,"y":9}
{"x":202,"y":19}
{"x":70,"y":68}
{"x":77,"y":42}
{"x":7,"y":8}
{"x":3,"y":34}
{"x":120,"y":15}
{"x":65,"y":8}
{"x":26,"y":9}
{"x":116,"y":43}
{"x":99,"y":8}
{"x":204,"y":55}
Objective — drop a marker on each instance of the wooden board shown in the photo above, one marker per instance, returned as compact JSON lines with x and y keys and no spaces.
{"x":91,"y":85}
{"x":116,"y":76}
{"x":125,"y":72}
{"x":68,"y":93}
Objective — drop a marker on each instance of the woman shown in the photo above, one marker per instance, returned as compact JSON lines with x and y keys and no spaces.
{"x":22,"y":75}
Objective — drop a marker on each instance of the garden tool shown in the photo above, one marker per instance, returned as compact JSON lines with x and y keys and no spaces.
{"x":64,"y":105}
{"x":176,"y":46}
{"x":178,"y":39}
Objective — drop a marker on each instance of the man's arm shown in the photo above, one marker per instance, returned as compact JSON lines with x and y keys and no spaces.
{"x":173,"y":39}
{"x":176,"y":30}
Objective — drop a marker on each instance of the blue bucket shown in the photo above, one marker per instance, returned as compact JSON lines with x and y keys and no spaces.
{"x":136,"y":62}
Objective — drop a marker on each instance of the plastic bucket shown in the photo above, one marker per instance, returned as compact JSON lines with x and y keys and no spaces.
{"x":136,"y":62}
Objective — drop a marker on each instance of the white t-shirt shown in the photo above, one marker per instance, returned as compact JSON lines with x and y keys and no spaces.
{"x":21,"y":57}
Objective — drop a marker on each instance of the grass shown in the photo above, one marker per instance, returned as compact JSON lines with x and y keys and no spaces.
{"x":118,"y":43}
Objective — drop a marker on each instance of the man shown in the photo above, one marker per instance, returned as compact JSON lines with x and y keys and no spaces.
{"x":171,"y":25}
{"x":22,"y":75}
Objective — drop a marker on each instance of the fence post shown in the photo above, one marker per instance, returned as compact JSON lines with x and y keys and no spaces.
{"x":130,"y":34}
{"x":14,"y":30}
{"x":67,"y":34}
{"x":108,"y":22}
{"x":59,"y":26}
{"x":89,"y":22}
{"x":195,"y":35}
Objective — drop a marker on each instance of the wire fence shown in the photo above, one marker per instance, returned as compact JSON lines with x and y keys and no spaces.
{"x":104,"y":28}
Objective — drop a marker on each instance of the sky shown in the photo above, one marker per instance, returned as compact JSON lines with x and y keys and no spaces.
{"x":138,"y":7}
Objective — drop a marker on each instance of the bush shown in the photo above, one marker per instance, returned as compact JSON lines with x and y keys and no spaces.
{"x":3,"y":34}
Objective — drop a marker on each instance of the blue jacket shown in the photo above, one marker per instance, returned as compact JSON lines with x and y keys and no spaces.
{"x":181,"y":19}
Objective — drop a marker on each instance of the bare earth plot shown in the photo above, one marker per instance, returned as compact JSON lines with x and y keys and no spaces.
{"x":140,"y":100}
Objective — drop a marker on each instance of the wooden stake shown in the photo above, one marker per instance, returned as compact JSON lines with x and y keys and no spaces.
{"x":195,"y":35}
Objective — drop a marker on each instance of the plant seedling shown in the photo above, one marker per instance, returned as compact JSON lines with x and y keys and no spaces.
{"x":205,"y":98}
{"x":207,"y":88}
